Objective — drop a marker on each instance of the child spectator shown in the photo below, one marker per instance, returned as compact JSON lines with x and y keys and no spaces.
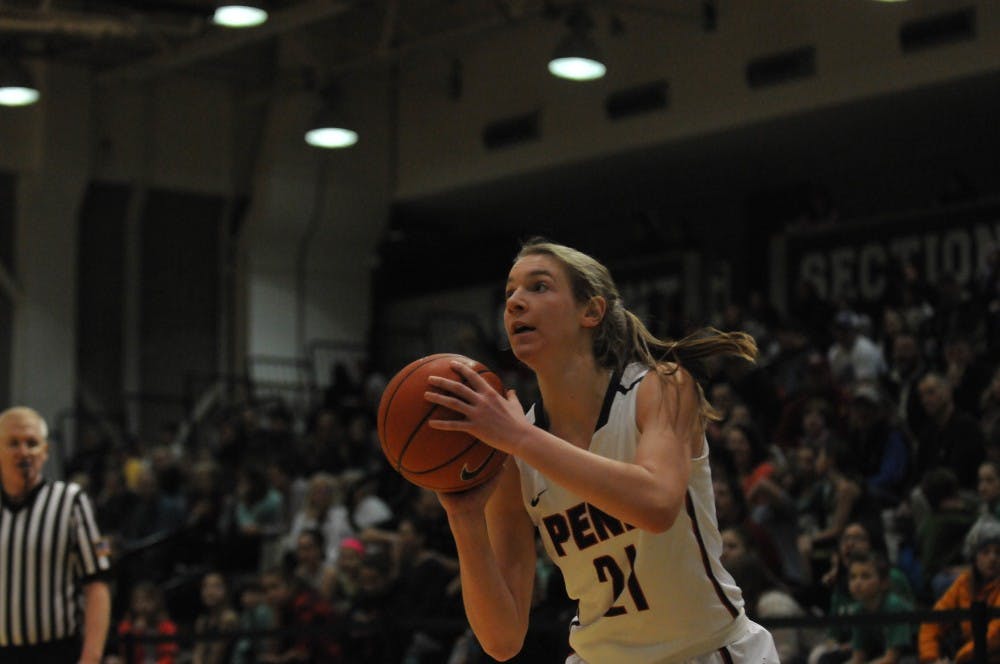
{"x":217,"y":616}
{"x":310,"y":558}
{"x":340,"y":585}
{"x":857,"y":539}
{"x":943,"y":642}
{"x":869,"y":584}
{"x":147,"y":616}
{"x":313,"y":627}
{"x":256,"y":615}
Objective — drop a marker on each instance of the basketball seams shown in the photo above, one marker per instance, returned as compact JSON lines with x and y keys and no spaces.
{"x":402,"y":452}
{"x":400,"y":380}
{"x":404,"y":394}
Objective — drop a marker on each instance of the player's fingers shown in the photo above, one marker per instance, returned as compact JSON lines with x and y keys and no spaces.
{"x":448,"y":425}
{"x":447,"y":401}
{"x":460,"y":390}
{"x":470,"y":375}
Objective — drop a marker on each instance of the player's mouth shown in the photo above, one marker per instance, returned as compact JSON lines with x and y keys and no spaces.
{"x":520,"y":328}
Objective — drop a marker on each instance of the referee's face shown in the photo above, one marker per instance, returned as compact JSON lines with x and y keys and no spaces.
{"x":23,"y":452}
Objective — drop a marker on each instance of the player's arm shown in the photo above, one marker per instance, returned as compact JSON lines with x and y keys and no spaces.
{"x":496,"y":555}
{"x":647,"y":492}
{"x":96,"y":620}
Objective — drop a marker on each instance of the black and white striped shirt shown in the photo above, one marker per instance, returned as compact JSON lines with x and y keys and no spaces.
{"x":49,"y":547}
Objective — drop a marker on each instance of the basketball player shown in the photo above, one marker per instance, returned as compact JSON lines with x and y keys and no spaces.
{"x":611,"y":467}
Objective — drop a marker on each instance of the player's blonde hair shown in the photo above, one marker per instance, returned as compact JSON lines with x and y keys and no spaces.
{"x":622,"y":337}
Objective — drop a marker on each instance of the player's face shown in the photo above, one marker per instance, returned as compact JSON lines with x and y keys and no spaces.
{"x":23,"y":452}
{"x":540,"y":312}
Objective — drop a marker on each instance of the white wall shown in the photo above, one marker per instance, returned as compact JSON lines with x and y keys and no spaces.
{"x":54,"y":165}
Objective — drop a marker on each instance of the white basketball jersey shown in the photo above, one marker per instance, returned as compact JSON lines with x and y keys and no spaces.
{"x":642,"y":597}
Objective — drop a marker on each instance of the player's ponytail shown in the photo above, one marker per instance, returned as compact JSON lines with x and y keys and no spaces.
{"x":622,"y":337}
{"x":694,"y":353}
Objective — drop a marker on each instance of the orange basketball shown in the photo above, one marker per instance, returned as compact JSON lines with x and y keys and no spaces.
{"x":444,"y":461}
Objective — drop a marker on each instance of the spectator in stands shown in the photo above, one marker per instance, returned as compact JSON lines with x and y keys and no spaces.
{"x":844,"y":499}
{"x":311,"y":566}
{"x":967,"y":373}
{"x":360,"y":449}
{"x":880,"y":450}
{"x":113,"y":501}
{"x":147,"y":616}
{"x":206,"y":500}
{"x":217,"y":616}
{"x":365,"y":507}
{"x":789,"y":365}
{"x":731,"y":512}
{"x":256,"y":515}
{"x":872,"y":593}
{"x":321,"y":448}
{"x":373,"y":629}
{"x":940,"y":532}
{"x":755,"y":469}
{"x":322,"y":509}
{"x":151,"y":512}
{"x":723,"y":398}
{"x":341,"y":585}
{"x":989,"y":405}
{"x":315,"y":629}
{"x":954,"y":642}
{"x":801,"y":482}
{"x":148,"y":533}
{"x":256,"y":615}
{"x":859,"y":538}
{"x":853,"y":356}
{"x":950,"y":437}
{"x":988,"y":488}
{"x":818,"y":385}
{"x":905,"y":371}
{"x":429,"y":609}
{"x":765,"y":596}
{"x":93,"y":452}
{"x":815,"y":424}
{"x":987,"y":293}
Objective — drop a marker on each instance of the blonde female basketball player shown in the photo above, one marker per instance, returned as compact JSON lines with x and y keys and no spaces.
{"x":611,"y":467}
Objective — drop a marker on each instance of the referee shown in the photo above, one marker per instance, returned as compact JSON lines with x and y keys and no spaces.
{"x":54,"y":603}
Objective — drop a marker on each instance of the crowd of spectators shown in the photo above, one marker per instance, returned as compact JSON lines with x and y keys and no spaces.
{"x":856,"y":466}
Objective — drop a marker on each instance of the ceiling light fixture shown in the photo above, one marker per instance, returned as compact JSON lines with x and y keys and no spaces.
{"x":330,"y":131}
{"x":577,"y":57}
{"x":16,"y":85}
{"x":239,"y":13}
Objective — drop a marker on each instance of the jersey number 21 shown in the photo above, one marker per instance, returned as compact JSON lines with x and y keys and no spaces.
{"x":609,"y":570}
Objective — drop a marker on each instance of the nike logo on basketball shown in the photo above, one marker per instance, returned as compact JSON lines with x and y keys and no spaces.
{"x":468,"y":475}
{"x":534,"y":501}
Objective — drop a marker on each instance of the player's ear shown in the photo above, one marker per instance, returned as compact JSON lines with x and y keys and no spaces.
{"x":593,"y":312}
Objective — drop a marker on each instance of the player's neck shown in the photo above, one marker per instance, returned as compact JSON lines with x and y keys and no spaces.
{"x":573,"y":396}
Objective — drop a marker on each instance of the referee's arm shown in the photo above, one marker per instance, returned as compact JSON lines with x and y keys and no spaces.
{"x":96,"y":621}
